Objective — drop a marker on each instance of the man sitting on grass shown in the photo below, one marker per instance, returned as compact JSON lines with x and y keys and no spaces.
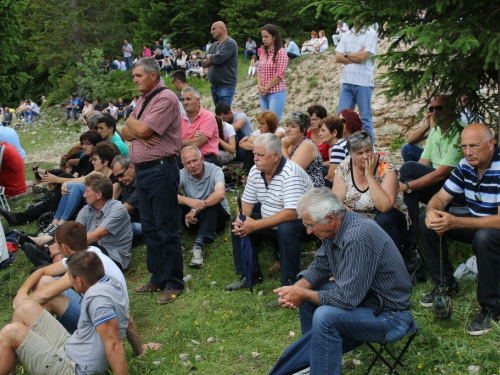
{"x":54,"y":293}
{"x":204,"y":205}
{"x":106,"y":127}
{"x":43,"y":346}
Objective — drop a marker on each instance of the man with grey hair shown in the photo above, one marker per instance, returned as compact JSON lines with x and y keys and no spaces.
{"x":292,"y":49}
{"x":361,"y":257}
{"x":222,"y":63}
{"x":199,"y":127}
{"x":154,"y":128}
{"x":204,"y":205}
{"x":274,"y":186}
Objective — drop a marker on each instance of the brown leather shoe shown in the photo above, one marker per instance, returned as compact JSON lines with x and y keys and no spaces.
{"x":149,"y":287}
{"x":169,"y":295}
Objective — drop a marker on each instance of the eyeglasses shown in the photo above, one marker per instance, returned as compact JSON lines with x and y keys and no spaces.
{"x":120,"y":175}
{"x":477,"y":193}
{"x":436,"y":107}
{"x":309,"y":226}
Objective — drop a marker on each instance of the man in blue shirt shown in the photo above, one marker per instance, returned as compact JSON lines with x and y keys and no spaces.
{"x":292,"y":50}
{"x":74,"y":107}
{"x":477,"y":177}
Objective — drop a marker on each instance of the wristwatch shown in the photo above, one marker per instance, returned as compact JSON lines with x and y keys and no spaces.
{"x":408,"y":189}
{"x":345,"y":54}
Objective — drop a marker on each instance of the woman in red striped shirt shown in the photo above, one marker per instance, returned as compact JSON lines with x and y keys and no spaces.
{"x":271,"y":73}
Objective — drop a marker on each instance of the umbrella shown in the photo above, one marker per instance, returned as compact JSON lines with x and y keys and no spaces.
{"x":295,"y":358}
{"x":246,"y":249}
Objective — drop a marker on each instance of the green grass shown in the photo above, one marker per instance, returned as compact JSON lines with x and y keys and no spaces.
{"x":240,"y":322}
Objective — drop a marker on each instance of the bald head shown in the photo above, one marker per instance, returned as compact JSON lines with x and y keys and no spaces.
{"x":478,"y":130}
{"x":478,"y":146}
{"x":219,"y":31}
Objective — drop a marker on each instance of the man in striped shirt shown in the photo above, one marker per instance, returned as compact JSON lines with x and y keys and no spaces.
{"x":274,"y":186}
{"x":477,"y":177}
{"x":362,"y":258}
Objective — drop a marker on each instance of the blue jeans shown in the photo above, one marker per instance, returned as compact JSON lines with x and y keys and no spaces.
{"x":69,"y":318}
{"x":247,"y":53}
{"x":336,"y":331}
{"x":240,"y":153}
{"x":274,"y":102}
{"x":70,"y":203}
{"x":138,"y":236}
{"x":157,"y":188}
{"x":350,"y":95}
{"x":128,"y":62}
{"x":30,"y":114}
{"x":411,"y":152}
{"x":287,"y":239}
{"x":73,"y":110}
{"x":222,"y":95}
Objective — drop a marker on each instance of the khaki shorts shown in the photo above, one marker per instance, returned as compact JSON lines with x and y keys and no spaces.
{"x":42,"y":351}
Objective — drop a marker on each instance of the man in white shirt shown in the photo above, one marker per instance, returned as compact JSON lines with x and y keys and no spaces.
{"x":250,"y":48}
{"x":354,"y":51}
{"x":31,"y":111}
{"x":342,"y":28}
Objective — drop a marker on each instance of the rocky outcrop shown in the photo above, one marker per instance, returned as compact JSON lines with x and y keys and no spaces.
{"x":315,"y":79}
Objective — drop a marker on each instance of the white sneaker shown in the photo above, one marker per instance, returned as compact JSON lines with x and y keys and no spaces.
{"x":197,"y":256}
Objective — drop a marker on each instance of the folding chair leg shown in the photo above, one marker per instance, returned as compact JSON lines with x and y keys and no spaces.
{"x":397,"y":359}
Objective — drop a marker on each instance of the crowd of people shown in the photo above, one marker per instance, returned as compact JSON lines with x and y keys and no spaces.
{"x":315,"y":177}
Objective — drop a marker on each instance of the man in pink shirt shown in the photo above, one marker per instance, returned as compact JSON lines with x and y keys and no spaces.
{"x":199,"y":127}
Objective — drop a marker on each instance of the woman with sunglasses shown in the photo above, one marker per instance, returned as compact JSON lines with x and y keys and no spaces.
{"x":367,"y":183}
{"x":271,"y":73}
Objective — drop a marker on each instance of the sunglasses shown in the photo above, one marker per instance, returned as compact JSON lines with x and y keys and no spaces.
{"x":436,"y":107}
{"x":477,"y":193}
{"x":297,"y":115}
{"x":359,"y":135}
{"x":120,"y":175}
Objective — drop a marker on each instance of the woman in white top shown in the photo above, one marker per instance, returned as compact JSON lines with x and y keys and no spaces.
{"x":87,"y":108}
{"x":308,"y":45}
{"x":227,"y":142}
{"x":322,"y":43}
{"x":181,"y":61}
{"x":268,"y":123}
{"x":111,"y":109}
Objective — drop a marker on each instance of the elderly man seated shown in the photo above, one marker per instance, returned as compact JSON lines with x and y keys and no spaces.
{"x":199,"y":127}
{"x":477,"y":177}
{"x":204,"y":205}
{"x":274,"y":186}
{"x":362,"y":258}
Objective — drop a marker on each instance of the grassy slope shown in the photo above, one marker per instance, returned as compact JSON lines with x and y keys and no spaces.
{"x":240,"y":322}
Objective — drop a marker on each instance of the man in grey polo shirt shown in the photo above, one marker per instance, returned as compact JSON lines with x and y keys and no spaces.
{"x":44,"y":346}
{"x":204,"y":205}
{"x":277,"y":184}
{"x":106,"y":220}
{"x":240,"y":122}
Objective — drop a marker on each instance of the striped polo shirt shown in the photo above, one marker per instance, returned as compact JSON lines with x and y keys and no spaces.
{"x":339,"y":152}
{"x":283,"y":192}
{"x":482,"y":196}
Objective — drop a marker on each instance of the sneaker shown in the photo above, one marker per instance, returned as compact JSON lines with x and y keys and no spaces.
{"x":149,"y":287}
{"x":169,"y":295}
{"x":243,"y":283}
{"x":428,"y":300}
{"x":197,"y":256}
{"x":482,"y":323}
{"x":49,"y":229}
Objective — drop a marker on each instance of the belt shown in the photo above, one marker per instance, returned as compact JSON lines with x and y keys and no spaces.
{"x":154,"y":163}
